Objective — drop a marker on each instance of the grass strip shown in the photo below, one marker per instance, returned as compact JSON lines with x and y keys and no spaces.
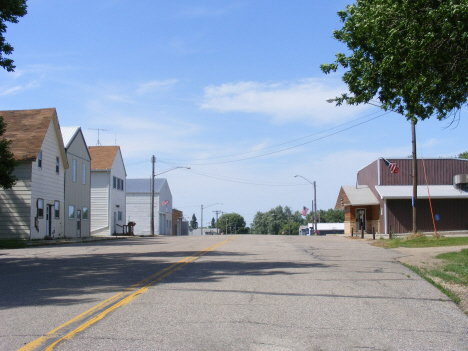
{"x":12,"y":244}
{"x":423,"y":275}
{"x":422,"y":241}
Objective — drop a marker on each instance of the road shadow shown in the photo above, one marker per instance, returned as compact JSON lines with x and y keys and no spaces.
{"x":68,"y":280}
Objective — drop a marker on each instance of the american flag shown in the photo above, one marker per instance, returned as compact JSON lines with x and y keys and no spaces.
{"x":165,"y":203}
{"x":304,"y":211}
{"x":392,"y":166}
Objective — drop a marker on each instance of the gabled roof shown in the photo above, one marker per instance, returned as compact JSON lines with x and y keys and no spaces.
{"x":143,"y":186}
{"x":406,"y":192}
{"x":356,"y":196}
{"x":102,"y":157}
{"x":27,"y":130}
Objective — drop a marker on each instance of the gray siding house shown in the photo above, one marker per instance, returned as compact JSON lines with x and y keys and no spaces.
{"x":139,"y":206}
{"x":77,"y":184}
{"x":34,"y":207}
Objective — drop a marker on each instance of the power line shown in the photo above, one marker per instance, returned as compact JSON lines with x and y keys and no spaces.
{"x":285,"y":149}
{"x":276,"y":145}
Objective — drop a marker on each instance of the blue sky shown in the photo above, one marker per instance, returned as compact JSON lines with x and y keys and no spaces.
{"x":214,"y":85}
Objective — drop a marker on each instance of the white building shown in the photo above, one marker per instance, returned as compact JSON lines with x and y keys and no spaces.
{"x":108,"y":186}
{"x":34,"y":207}
{"x":139,"y":206}
{"x":77,"y":184}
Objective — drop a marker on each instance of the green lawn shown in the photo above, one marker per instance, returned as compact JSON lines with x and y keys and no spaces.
{"x":422,"y":241}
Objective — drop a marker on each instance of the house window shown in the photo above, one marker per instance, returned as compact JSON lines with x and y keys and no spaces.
{"x":85,"y":214}
{"x":83,"y":174}
{"x":120,"y":216}
{"x":40,"y":208}
{"x":57,"y":209}
{"x":71,"y":212}
{"x":122,"y":187}
{"x":114,"y":179}
{"x":57,"y":165}
{"x":73,"y":170}
{"x":39,"y":160}
{"x":118,"y":183}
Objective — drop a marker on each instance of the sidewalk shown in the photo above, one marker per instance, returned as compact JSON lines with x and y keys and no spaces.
{"x":56,"y":241}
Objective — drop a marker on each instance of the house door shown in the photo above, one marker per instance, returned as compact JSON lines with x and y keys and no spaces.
{"x":361,"y":218}
{"x":48,"y":220}
{"x":114,"y":226}
{"x":78,"y":223}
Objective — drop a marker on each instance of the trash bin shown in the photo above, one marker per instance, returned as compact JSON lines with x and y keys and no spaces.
{"x":130,"y":228}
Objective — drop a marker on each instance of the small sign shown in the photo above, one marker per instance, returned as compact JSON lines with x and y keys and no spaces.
{"x":437,"y":217}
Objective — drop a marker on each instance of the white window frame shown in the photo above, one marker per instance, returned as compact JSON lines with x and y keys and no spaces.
{"x":39,"y":159}
{"x":85,"y":214}
{"x":74,"y":170}
{"x":71,"y":214}
{"x":83,"y":174}
{"x":40,"y":208}
{"x":56,"y":209}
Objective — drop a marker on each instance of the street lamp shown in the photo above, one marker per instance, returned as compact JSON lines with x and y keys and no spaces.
{"x":201,"y":219}
{"x":314,"y":204}
{"x":153,"y":160}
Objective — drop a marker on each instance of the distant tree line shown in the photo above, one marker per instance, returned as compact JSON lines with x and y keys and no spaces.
{"x":281,"y":220}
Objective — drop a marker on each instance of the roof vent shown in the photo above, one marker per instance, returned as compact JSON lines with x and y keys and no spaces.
{"x":460,"y":179}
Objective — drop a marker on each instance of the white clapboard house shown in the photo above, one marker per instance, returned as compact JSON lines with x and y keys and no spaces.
{"x":34,"y":207}
{"x":77,"y":184}
{"x":108,"y":178}
{"x":139,"y":196}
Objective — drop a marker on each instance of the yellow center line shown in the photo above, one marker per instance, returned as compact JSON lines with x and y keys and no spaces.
{"x":145,"y":283}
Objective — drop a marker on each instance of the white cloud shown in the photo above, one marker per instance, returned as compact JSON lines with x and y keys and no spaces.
{"x":155,"y":85}
{"x":284,"y":101}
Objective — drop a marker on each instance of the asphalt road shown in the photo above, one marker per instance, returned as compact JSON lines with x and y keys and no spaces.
{"x":221,"y":293}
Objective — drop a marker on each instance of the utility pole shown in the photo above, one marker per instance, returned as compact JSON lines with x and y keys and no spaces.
{"x":153,"y":161}
{"x":201,"y":220}
{"x":415,"y":175}
{"x":217,"y":232}
{"x":315,"y":208}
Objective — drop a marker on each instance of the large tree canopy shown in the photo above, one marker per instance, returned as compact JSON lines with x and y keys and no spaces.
{"x":10,"y":10}
{"x":410,"y":54}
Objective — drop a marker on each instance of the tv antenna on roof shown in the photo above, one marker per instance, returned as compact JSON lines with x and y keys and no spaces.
{"x":98,"y":129}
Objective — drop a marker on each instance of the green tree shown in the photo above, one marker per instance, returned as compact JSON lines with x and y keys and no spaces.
{"x":463,"y":154}
{"x":193,"y":222}
{"x":272,"y":222}
{"x":411,"y":55}
{"x":213,"y":223}
{"x":232,"y":223}
{"x":293,"y":226}
{"x":7,"y":161}
{"x":10,"y":10}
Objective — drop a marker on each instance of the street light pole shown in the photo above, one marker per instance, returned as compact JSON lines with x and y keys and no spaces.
{"x":314,"y":205}
{"x":201,"y":221}
{"x":153,"y":161}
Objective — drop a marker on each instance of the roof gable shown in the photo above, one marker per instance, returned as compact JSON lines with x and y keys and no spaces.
{"x":69,"y":135}
{"x":143,"y":186}
{"x":356,"y":196}
{"x":27,"y":130}
{"x":102,"y":157}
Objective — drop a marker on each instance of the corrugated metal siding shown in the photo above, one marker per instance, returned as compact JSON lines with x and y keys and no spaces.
{"x":139,"y":211}
{"x":452,"y":215}
{"x":438,"y":171}
{"x":368,"y":176}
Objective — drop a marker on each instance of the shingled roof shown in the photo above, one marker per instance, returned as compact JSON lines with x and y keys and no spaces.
{"x":27,"y":130}
{"x":102,"y":157}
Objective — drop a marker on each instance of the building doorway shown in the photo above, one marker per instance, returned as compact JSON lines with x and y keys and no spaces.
{"x":361,"y":219}
{"x":78,"y":223}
